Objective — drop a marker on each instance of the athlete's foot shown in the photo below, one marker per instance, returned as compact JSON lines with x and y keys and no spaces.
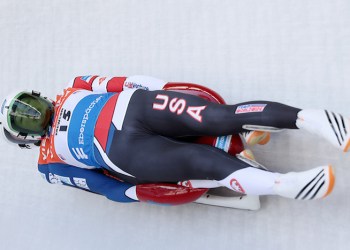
{"x":256,"y":137}
{"x":313,"y":184}
{"x":331,"y":126}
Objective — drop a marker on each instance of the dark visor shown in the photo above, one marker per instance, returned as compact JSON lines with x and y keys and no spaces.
{"x":30,"y":114}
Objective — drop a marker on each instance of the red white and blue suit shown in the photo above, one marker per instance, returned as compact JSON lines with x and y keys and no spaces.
{"x":107,"y":130}
{"x":88,"y":112}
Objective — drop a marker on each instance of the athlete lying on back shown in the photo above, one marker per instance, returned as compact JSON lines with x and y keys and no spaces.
{"x":131,"y":129}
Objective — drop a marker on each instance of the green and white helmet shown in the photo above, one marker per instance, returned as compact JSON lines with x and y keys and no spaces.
{"x":25,"y":118}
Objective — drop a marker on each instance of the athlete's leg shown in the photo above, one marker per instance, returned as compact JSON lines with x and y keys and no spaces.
{"x":176,"y":114}
{"x":154,"y":158}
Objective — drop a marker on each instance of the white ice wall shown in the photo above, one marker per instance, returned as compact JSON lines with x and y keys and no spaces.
{"x":296,"y":52}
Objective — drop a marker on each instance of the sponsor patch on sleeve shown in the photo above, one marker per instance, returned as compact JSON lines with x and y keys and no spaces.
{"x":250,"y":108}
{"x":133,"y":85}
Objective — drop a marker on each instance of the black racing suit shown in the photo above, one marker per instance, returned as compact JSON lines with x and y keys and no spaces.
{"x":150,"y":144}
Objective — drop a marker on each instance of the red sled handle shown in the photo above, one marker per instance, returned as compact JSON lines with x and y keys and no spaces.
{"x":168,"y":194}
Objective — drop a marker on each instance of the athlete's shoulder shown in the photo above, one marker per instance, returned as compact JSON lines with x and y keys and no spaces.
{"x":66,"y":93}
{"x":47,"y":154}
{"x":97,"y":83}
{"x":82,"y":82}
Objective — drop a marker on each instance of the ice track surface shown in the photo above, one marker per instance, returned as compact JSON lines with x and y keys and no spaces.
{"x":296,"y":52}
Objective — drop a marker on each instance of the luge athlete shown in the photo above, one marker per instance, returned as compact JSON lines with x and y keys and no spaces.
{"x":131,"y":128}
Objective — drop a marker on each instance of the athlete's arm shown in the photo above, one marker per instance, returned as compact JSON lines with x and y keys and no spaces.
{"x":96,"y":182}
{"x":104,"y":84}
{"x":86,"y":179}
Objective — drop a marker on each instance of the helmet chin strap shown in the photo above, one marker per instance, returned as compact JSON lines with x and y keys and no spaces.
{"x":24,"y":146}
{"x":27,"y":146}
{"x":18,"y":140}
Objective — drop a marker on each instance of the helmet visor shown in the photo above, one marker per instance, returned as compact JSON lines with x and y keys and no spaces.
{"x":30,"y":114}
